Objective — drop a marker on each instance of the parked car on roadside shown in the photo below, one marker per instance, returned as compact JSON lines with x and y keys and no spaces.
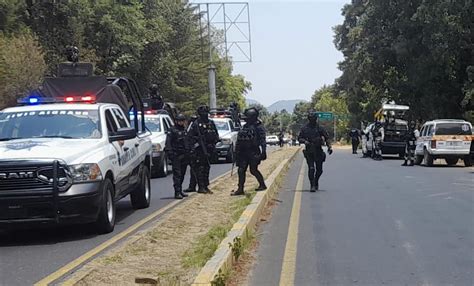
{"x":447,"y":139}
{"x":272,"y":140}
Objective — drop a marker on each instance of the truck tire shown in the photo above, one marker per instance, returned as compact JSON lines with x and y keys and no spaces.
{"x":467,"y":161}
{"x":418,"y":159}
{"x":106,"y":220}
{"x":451,"y":161}
{"x":161,"y":170}
{"x":140,"y":197}
{"x":428,"y":159}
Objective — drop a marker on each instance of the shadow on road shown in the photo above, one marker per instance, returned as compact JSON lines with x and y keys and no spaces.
{"x":57,"y":234}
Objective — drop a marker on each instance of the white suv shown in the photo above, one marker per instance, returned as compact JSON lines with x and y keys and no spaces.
{"x":447,"y":139}
{"x":70,"y":163}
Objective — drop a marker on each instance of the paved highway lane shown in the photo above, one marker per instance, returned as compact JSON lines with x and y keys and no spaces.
{"x":373,"y":223}
{"x":28,"y":256}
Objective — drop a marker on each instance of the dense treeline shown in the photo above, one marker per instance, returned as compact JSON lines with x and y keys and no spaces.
{"x":415,"y":52}
{"x":152,"y":41}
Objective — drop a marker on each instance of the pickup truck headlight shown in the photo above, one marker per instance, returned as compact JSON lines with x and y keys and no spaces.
{"x":156,"y":147}
{"x":226,"y":141}
{"x":85,"y":173}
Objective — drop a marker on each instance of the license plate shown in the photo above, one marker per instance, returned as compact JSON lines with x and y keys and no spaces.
{"x":453,"y":143}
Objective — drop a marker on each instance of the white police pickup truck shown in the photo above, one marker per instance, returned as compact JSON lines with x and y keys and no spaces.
{"x":70,"y":162}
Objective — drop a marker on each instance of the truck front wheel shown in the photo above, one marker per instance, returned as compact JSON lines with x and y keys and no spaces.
{"x":467,"y":161}
{"x":106,"y":220}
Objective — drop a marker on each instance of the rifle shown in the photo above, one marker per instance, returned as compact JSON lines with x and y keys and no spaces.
{"x":201,"y":142}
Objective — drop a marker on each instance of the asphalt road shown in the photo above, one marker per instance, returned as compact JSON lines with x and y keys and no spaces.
{"x":373,"y":223}
{"x":28,"y":256}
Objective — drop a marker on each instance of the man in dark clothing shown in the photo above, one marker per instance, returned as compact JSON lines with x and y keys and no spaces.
{"x":203,"y":136}
{"x":156,"y":100}
{"x":314,"y":136}
{"x":192,"y":176}
{"x":281,"y":139}
{"x":355,"y":137}
{"x":410,"y":144}
{"x":250,"y":150}
{"x":177,"y":149}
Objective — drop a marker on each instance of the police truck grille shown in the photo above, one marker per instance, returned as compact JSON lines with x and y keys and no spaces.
{"x":18,"y":178}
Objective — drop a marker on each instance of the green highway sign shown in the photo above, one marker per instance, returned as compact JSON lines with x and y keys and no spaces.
{"x":325,"y":115}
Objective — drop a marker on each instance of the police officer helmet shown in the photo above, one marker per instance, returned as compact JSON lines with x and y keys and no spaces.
{"x":412,"y":124}
{"x":251,"y":114}
{"x":180,"y":117}
{"x":203,"y":109}
{"x":313,"y":117}
{"x":154,"y":89}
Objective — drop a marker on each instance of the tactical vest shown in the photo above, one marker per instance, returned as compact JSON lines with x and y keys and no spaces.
{"x":247,"y":138}
{"x":208,"y":132}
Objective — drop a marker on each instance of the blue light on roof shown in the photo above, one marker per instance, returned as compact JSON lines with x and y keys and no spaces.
{"x":33,"y":100}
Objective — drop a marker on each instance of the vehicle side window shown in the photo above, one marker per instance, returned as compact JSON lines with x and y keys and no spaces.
{"x":110,"y":120}
{"x":430,"y":130}
{"x":122,"y":121}
{"x":423,"y":131}
{"x":166,"y":126}
{"x":168,"y":120}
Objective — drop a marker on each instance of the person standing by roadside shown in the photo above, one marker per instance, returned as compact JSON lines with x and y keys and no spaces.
{"x":410,"y":144}
{"x":355,"y":137}
{"x":192,"y":173}
{"x":177,"y":149}
{"x":378,"y":135}
{"x":203,"y":136}
{"x":314,"y":136}
{"x":251,"y":149}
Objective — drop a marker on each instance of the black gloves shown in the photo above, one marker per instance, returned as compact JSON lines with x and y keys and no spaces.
{"x":330,"y":150}
{"x":263,"y":157}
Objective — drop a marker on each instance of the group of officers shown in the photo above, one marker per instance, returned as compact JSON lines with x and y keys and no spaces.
{"x":193,"y":144}
{"x":378,"y":133}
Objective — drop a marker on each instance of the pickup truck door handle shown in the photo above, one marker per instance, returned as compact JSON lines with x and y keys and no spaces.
{"x":137,"y":144}
{"x":125,"y":149}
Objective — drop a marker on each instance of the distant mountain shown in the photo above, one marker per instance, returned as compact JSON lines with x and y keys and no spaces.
{"x":250,"y":101}
{"x":288,"y":105}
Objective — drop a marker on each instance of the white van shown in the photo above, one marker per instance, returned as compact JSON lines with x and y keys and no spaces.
{"x":447,"y":139}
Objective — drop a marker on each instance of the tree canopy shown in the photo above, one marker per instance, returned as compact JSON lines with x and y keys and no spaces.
{"x":151,"y":41}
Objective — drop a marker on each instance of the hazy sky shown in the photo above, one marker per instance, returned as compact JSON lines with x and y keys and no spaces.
{"x":292,"y":47}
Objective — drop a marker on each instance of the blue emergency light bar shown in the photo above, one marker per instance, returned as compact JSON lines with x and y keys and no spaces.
{"x":35,"y":100}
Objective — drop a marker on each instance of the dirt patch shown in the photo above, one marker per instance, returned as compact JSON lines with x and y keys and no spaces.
{"x":162,"y":252}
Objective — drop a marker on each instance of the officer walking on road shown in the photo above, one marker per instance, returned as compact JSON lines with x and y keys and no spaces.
{"x":251,"y":149}
{"x":314,"y":136}
{"x":378,"y":135}
{"x":204,"y":136}
{"x":355,"y":137}
{"x":192,"y":177}
{"x":410,"y":144}
{"x":177,"y":149}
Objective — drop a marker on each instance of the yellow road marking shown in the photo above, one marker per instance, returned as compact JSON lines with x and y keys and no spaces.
{"x":287,"y":276}
{"x":98,"y":249}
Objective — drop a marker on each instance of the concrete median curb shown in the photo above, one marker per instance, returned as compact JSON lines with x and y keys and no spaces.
{"x":223,"y":258}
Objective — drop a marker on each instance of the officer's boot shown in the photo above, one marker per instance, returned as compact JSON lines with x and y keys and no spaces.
{"x":177,"y":195}
{"x":412,"y":163}
{"x":405,"y":163}
{"x":239,"y":192}
{"x":314,"y":186}
{"x":190,"y":189}
{"x":184,"y":195}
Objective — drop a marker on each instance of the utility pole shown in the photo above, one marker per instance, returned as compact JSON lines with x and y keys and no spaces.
{"x":212,"y":87}
{"x":335,"y":128}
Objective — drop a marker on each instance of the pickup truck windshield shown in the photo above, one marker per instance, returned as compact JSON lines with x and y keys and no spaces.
{"x":453,"y":129}
{"x":68,"y":124}
{"x":222,"y":125}
{"x":153,"y":124}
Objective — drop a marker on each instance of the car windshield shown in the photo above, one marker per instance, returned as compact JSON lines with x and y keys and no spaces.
{"x":153,"y":124}
{"x":222,"y":125}
{"x":68,"y":124}
{"x":453,"y":129}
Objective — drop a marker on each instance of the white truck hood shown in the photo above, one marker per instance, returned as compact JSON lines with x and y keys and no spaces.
{"x":158,"y":138}
{"x":71,"y":151}
{"x":224,"y":134}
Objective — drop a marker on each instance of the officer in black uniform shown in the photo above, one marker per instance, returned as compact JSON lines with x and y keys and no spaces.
{"x":192,"y":177}
{"x":410,"y":144}
{"x":354,"y":135}
{"x":204,"y":136}
{"x":250,"y":150}
{"x":156,"y":100}
{"x":314,"y":136}
{"x":177,"y":149}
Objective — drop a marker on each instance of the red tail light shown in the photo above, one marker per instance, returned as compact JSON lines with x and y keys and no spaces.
{"x":433,"y":144}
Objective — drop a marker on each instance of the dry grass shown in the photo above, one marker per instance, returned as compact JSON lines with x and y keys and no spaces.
{"x":178,"y":245}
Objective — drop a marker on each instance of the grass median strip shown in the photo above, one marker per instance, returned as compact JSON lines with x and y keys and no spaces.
{"x":174,"y":249}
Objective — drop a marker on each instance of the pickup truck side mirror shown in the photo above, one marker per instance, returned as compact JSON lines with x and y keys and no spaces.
{"x":123,"y":134}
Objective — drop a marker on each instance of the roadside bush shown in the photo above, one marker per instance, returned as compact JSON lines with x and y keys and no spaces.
{"x":22,"y":66}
